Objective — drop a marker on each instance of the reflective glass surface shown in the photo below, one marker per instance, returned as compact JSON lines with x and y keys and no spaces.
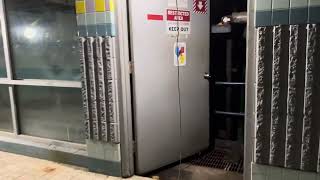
{"x":43,"y":39}
{"x":5,"y":110}
{"x":50,"y":112}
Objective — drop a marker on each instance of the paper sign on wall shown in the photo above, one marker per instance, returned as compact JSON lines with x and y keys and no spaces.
{"x":178,"y":21}
{"x":200,"y":6}
{"x":181,"y":3}
{"x":180,"y":54}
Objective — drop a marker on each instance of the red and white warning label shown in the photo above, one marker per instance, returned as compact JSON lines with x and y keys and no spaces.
{"x":178,"y":21}
{"x":200,"y":6}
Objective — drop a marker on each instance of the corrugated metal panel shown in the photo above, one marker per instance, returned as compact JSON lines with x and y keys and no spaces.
{"x":264,"y":84}
{"x":310,"y":140}
{"x":99,"y":88}
{"x":288,"y":97}
{"x":297,"y":48}
{"x":279,"y":94}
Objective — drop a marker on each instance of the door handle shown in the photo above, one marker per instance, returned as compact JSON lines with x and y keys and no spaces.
{"x":207,"y":76}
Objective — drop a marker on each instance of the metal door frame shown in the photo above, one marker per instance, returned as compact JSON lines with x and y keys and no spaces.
{"x":126,"y":126}
{"x":127,"y":141}
{"x":249,"y":137}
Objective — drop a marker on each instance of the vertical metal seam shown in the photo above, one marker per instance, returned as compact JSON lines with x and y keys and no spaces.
{"x":286,"y":133}
{"x":256,"y":99}
{"x":318,"y":160}
{"x":116,"y":102}
{"x":273,"y":66}
{"x":126,"y":124}
{"x":256,"y":92}
{"x":304,"y":104}
{"x":117,"y":112}
{"x":13,"y":110}
{"x":5,"y":39}
{"x":308,"y":16}
{"x":316,"y":88}
{"x":8,"y":62}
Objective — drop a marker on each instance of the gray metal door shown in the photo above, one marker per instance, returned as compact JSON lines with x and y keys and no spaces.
{"x":155,"y":80}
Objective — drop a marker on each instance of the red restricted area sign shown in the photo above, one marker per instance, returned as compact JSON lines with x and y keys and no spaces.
{"x":178,"y":22}
{"x":178,"y":15}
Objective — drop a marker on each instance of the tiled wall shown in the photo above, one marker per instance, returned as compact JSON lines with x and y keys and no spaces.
{"x":96,"y":17}
{"x":276,"y":12}
{"x":261,"y":172}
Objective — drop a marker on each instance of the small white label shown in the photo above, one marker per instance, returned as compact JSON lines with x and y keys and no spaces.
{"x":180,"y":54}
{"x":181,"y":3}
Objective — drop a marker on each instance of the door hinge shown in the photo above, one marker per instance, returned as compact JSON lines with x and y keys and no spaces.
{"x":131,"y":67}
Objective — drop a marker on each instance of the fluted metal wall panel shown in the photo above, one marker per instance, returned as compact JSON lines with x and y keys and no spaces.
{"x":99,"y":88}
{"x":297,"y":49}
{"x":93,"y":86}
{"x":279,"y":94}
{"x":264,"y":85}
{"x":83,"y":46}
{"x":288,"y":97}
{"x":101,"y":61}
{"x":310,"y":141}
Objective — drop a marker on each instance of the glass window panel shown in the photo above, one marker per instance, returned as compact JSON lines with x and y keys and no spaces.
{"x":50,"y":112}
{"x":3,"y":72}
{"x":5,"y":110}
{"x":43,"y":39}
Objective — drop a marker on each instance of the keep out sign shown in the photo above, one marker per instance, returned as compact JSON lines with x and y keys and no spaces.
{"x":178,"y":21}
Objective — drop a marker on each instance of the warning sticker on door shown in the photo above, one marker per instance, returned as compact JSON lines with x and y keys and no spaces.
{"x":180,"y":54}
{"x":178,"y":3}
{"x":200,"y":6}
{"x":178,"y":21}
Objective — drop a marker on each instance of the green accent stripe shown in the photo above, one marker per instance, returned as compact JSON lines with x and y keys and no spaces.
{"x":301,"y":15}
{"x":280,"y":17}
{"x":298,"y":15}
{"x":314,"y":14}
{"x":263,"y":18}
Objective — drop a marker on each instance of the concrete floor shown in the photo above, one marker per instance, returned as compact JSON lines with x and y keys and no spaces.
{"x":190,"y":172}
{"x":17,"y":167}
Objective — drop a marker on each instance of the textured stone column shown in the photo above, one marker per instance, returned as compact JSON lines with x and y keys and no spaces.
{"x":297,"y":48}
{"x":99,"y":88}
{"x":310,"y":143}
{"x":264,"y":84}
{"x":279,"y":94}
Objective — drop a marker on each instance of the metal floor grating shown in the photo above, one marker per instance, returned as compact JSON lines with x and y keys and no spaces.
{"x":217,"y":159}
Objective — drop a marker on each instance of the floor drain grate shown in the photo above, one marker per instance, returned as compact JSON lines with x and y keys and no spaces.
{"x":217,"y":159}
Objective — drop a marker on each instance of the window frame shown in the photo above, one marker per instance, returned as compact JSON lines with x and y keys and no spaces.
{"x":12,"y":83}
